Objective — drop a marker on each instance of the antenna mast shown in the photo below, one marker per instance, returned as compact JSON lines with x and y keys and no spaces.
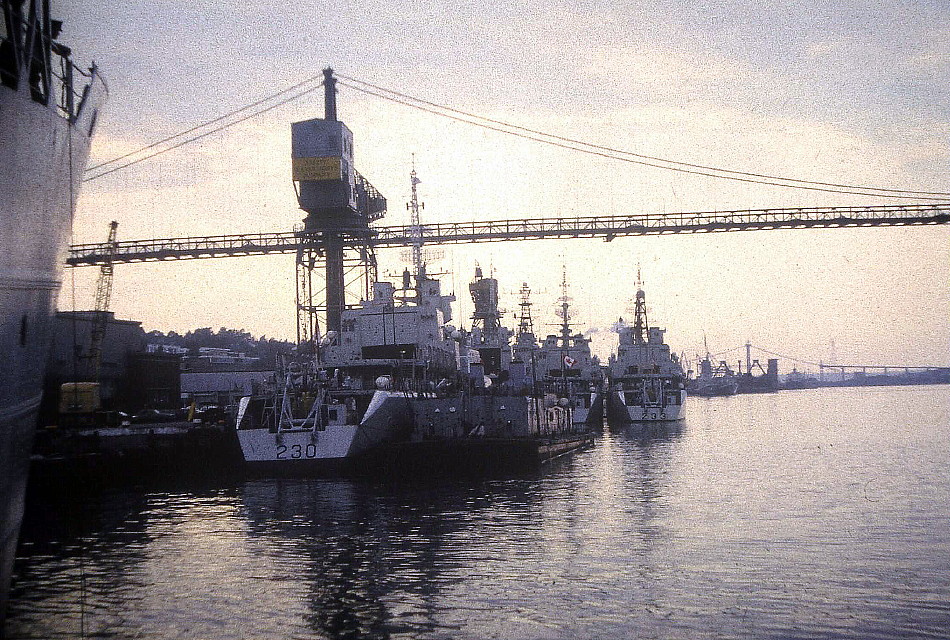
{"x":415,"y":227}
{"x":564,"y":314}
{"x":525,"y":325}
{"x":640,"y":323}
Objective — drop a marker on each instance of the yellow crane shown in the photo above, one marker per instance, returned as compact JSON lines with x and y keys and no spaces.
{"x":80,"y":401}
{"x":103,"y":294}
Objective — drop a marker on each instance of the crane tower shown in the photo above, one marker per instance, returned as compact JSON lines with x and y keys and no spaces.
{"x":340,"y":204}
{"x":103,"y":295}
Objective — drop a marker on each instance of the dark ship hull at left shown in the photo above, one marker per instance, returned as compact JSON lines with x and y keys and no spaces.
{"x":48,"y":112}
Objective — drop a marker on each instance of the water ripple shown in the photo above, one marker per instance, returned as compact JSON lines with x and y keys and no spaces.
{"x":823,"y":514}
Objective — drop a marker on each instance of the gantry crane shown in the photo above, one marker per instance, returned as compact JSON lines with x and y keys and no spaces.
{"x":337,"y":240}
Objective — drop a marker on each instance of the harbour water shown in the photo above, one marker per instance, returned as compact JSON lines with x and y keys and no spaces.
{"x":803,"y":514}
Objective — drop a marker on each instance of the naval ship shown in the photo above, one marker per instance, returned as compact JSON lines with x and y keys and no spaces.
{"x":392,"y":368}
{"x":399,"y":387}
{"x":713,"y":380}
{"x":48,"y":113}
{"x":647,"y":383}
{"x":568,"y":366}
{"x":560,"y":371}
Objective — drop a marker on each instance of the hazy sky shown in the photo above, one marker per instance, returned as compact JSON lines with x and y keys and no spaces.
{"x":850,"y":92}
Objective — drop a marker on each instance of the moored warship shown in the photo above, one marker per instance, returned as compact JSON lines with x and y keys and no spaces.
{"x":647,"y":383}
{"x":389,"y":382}
{"x":569,"y":368}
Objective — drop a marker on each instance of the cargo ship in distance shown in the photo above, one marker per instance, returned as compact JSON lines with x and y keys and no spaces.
{"x":714,"y":380}
{"x":48,"y":113}
{"x":646,"y":381}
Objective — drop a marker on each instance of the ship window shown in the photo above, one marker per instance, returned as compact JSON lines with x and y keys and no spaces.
{"x":8,"y":63}
{"x":23,"y":331}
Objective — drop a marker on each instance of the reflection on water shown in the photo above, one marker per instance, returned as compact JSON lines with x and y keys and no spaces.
{"x":811,"y":514}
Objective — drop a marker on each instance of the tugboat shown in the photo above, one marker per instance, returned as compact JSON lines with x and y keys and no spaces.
{"x":48,"y":113}
{"x":647,"y":383}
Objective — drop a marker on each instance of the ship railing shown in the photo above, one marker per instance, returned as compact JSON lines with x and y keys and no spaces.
{"x":48,"y":85}
{"x":69,"y":99}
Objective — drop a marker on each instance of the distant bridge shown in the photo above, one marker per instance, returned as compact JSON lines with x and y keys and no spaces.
{"x":841,"y":370}
{"x":606,"y":227}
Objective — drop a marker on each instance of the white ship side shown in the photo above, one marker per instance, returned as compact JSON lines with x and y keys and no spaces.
{"x":334,"y":430}
{"x":48,"y":113}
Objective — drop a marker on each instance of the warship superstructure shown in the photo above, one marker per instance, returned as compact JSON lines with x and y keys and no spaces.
{"x":570,"y":370}
{"x":488,"y":337}
{"x":48,"y":113}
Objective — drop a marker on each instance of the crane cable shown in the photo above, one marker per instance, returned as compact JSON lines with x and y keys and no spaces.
{"x":631,"y":153}
{"x":201,"y":126}
{"x":609,"y":153}
{"x":515,"y":130}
